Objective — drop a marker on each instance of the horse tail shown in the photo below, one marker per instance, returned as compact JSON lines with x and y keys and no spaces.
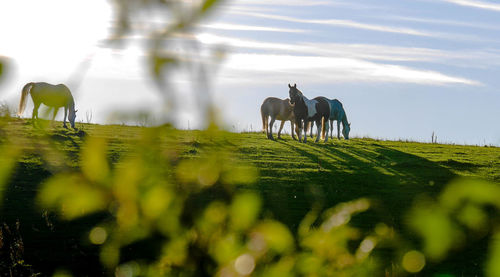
{"x":264,"y":119}
{"x":22,"y":102}
{"x":323,"y":127}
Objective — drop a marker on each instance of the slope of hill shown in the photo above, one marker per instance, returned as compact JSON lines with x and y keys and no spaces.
{"x":293,"y":179}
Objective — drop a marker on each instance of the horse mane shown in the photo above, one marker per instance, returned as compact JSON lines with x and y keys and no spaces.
{"x":344,"y":120}
{"x":71,"y":100}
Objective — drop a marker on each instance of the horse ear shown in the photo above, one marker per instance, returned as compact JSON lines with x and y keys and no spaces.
{"x":295,"y":85}
{"x":289,"y":86}
{"x":76,"y":111}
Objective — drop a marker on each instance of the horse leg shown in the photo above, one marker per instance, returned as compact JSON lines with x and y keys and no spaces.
{"x":326,"y":125}
{"x":34,"y":116}
{"x":53,"y":116}
{"x":271,"y":128}
{"x":318,"y":129}
{"x":331,"y":129}
{"x":305,"y":130}
{"x":310,"y":127}
{"x":338,"y":129}
{"x":265,"y":124}
{"x":64,"y":119}
{"x":281,"y":128}
{"x":292,"y":130}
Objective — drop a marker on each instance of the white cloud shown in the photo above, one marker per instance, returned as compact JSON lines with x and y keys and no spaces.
{"x":477,"y":58}
{"x":443,"y":22}
{"x":476,"y":4}
{"x":239,"y":27}
{"x":269,"y":68}
{"x":341,"y":23}
{"x":285,"y":2}
{"x":260,"y":4}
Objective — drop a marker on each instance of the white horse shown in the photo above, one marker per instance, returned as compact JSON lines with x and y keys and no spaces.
{"x":337,"y":112}
{"x":55,"y":96}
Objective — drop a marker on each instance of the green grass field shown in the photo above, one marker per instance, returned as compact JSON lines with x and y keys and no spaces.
{"x":293,"y":179}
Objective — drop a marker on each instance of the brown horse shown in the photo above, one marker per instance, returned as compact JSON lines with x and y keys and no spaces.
{"x":306,"y":111}
{"x":276,"y":109}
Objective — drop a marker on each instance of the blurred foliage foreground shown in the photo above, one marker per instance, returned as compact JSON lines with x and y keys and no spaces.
{"x":157,"y":212}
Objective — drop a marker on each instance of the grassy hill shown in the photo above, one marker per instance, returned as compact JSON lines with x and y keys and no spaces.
{"x":293,"y":179}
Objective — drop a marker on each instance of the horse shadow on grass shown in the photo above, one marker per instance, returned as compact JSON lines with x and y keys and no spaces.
{"x":330,"y":174}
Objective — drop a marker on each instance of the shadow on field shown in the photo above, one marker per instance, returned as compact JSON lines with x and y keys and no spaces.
{"x":327,"y":174}
{"x":46,"y":241}
{"x":296,"y":177}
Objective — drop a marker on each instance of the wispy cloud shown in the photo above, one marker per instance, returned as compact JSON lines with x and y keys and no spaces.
{"x":477,"y":58}
{"x":341,"y":23}
{"x":335,"y":62}
{"x":303,"y":3}
{"x":286,"y":2}
{"x":276,"y":68}
{"x":455,"y":23}
{"x":239,"y":27}
{"x":476,"y":4}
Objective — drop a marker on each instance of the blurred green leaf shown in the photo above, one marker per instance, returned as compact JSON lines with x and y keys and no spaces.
{"x":283,"y":268}
{"x":94,"y":163}
{"x":240,"y":174}
{"x":473,"y":217}
{"x":160,"y":63}
{"x":155,"y":201}
{"x":244,"y":211}
{"x":275,"y":236}
{"x":475,"y":191}
{"x":71,"y":196}
{"x":330,"y":244}
{"x":213,"y":216}
{"x":175,"y":252}
{"x":309,"y":263}
{"x":439,"y":233}
{"x":225,"y":249}
{"x":110,"y":255}
{"x":343,"y":212}
{"x":204,"y":172}
{"x":493,"y":263}
{"x":208,"y":4}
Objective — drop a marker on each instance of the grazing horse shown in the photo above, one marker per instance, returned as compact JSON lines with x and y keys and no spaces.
{"x":55,"y":96}
{"x":276,"y":109}
{"x":337,"y":112}
{"x":305,"y":110}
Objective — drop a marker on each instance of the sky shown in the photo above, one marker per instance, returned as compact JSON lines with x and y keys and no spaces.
{"x":403,"y":69}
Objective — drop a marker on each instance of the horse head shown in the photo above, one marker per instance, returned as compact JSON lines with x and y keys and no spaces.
{"x":72,"y":116}
{"x":345,"y":130}
{"x":294,"y":93}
